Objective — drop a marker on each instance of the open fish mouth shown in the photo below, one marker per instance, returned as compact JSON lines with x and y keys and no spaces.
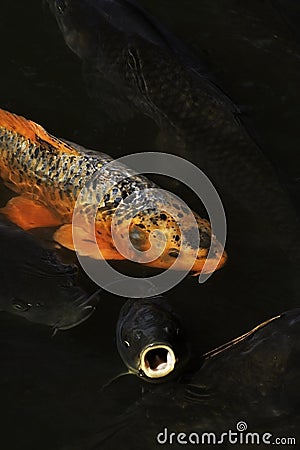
{"x":157,"y":360}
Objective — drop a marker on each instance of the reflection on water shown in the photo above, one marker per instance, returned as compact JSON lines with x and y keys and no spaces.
{"x":51,"y":388}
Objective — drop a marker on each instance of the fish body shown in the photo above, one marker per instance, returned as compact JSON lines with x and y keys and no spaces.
{"x":151,"y":339}
{"x":49,"y":174}
{"x":36,"y":285}
{"x":130,"y":49}
{"x":254,"y":379}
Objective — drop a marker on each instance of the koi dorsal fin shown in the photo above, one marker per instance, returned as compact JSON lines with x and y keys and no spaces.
{"x":17,"y":123}
{"x":32,"y":131}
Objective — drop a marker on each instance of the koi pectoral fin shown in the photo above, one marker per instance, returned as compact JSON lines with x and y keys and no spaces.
{"x":27,"y":213}
{"x":64,"y":236}
{"x":85,"y":244}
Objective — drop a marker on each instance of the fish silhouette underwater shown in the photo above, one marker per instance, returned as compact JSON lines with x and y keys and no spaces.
{"x":36,"y":285}
{"x":139,"y":61}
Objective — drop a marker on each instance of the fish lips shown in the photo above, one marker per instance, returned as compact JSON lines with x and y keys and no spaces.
{"x":157,"y":361}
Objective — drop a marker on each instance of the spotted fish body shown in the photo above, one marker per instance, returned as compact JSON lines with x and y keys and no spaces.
{"x":50,"y":173}
{"x":43,"y":167}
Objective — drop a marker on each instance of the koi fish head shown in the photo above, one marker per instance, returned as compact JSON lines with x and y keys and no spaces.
{"x":151,"y":340}
{"x":158,"y":240}
{"x":59,"y":315}
{"x":76,"y":20}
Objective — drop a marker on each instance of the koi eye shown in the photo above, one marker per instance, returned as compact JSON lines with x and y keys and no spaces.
{"x":20,"y":305}
{"x":126,"y":343}
{"x":138,"y":238}
{"x":61,"y":6}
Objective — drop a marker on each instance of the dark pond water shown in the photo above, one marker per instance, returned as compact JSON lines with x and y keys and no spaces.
{"x":50,"y":388}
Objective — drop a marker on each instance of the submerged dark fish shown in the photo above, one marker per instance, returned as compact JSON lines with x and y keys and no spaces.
{"x":132,"y":52}
{"x":150,"y":339}
{"x":254,"y":379}
{"x":36,"y":285}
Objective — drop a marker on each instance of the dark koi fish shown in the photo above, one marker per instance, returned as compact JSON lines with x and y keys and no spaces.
{"x":36,"y":285}
{"x":147,"y":67}
{"x":151,"y":339}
